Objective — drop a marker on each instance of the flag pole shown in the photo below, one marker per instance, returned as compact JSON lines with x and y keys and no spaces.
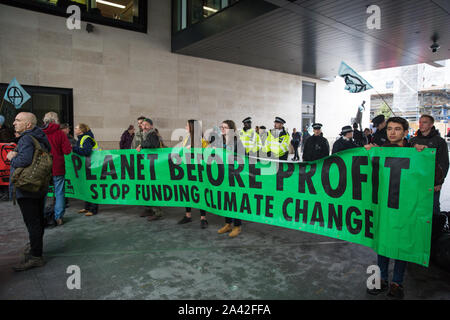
{"x":385,"y":102}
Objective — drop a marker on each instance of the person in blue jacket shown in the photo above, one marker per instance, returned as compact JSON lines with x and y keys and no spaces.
{"x":31,"y":203}
{"x":85,"y":145}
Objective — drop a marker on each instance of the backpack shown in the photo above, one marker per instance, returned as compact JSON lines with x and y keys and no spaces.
{"x":37,"y":175}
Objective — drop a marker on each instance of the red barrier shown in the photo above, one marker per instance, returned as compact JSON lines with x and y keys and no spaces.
{"x":5,"y":163}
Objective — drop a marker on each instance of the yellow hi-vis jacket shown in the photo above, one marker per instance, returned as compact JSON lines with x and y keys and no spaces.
{"x":278,"y":146}
{"x":95,"y":147}
{"x":250,"y":140}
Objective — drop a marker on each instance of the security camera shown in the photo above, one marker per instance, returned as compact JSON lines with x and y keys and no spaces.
{"x":434,"y":47}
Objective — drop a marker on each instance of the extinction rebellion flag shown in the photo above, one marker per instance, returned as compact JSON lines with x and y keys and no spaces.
{"x":16,"y":95}
{"x":381,"y":198}
{"x":354,"y":83}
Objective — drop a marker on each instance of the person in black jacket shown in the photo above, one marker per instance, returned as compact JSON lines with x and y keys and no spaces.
{"x":359,"y":137}
{"x":296,"y":137}
{"x":345,"y":141}
{"x":151,"y":141}
{"x":31,"y":203}
{"x":429,"y":137}
{"x":397,"y":129}
{"x":316,"y":147}
{"x":380,"y":136}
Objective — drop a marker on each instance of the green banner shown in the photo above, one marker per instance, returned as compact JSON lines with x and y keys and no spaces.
{"x":381,"y":198}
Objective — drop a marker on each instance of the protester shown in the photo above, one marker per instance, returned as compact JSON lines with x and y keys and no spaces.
{"x":397,"y":129}
{"x":345,"y":141}
{"x":60,"y":146}
{"x":151,"y":141}
{"x":65,"y":127}
{"x":232,"y":143}
{"x":368,"y":135}
{"x":139,"y":134}
{"x":194,"y":139}
{"x":359,"y":137}
{"x":316,"y":147}
{"x":296,"y":137}
{"x":86,"y":144}
{"x":429,"y":137}
{"x":127,"y":138}
{"x":277,"y":142}
{"x":6,"y":134}
{"x":31,"y":203}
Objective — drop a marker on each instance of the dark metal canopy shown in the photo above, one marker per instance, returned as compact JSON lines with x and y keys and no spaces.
{"x":312,"y":37}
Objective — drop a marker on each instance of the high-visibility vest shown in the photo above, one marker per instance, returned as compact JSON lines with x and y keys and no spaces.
{"x":250,"y":140}
{"x":95,"y":147}
{"x":278,"y":146}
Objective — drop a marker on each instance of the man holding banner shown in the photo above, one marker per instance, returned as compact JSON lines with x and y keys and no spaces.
{"x":397,"y":129}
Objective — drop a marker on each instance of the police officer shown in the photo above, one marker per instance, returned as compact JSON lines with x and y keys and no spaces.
{"x":277,"y":142}
{"x":345,"y":141}
{"x":316,"y":147}
{"x":380,"y":136}
{"x":249,"y":137}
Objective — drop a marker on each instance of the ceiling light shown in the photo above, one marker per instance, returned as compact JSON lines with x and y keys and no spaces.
{"x":209,"y":9}
{"x":111,"y":4}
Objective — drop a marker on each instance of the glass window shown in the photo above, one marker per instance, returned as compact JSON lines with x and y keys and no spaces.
{"x":189,"y":12}
{"x":128,"y":14}
{"x":43,"y":100}
{"x":308,"y":104}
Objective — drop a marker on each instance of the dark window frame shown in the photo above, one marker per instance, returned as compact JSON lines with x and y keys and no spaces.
{"x":189,"y":15}
{"x":67,"y":93}
{"x":141,"y":26}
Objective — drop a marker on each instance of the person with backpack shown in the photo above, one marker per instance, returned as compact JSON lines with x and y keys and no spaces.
{"x":60,"y":146}
{"x":85,"y":145}
{"x":32,"y":141}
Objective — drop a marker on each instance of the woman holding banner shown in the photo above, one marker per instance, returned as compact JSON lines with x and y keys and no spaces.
{"x":85,"y":145}
{"x":194,"y":139}
{"x":232,"y":143}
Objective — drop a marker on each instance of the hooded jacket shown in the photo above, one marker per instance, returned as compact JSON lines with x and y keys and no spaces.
{"x":24,"y":158}
{"x":60,"y":146}
{"x":434,"y":140}
{"x":88,"y":145}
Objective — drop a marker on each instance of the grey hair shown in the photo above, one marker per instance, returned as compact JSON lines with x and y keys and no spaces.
{"x":51,"y":117}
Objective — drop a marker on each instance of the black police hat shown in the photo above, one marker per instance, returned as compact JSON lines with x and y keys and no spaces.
{"x":317,"y":126}
{"x":346,"y":129}
{"x":378,"y":120}
{"x":248,"y":119}
{"x":278,"y":119}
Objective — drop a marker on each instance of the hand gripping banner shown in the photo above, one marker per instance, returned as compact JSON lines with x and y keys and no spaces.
{"x":380,"y":198}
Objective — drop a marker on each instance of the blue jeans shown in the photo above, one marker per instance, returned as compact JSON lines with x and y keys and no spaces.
{"x":399,"y":269}
{"x":60,"y":204}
